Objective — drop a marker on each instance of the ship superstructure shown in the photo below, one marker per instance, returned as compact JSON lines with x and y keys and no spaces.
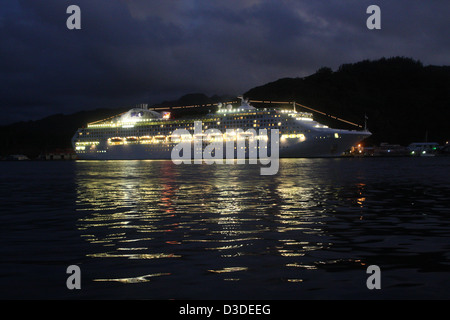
{"x":141,"y":133}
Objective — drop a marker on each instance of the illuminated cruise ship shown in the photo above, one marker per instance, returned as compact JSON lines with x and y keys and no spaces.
{"x":142,"y":133}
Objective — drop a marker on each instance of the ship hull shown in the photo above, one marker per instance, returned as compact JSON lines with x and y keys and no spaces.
{"x":322,"y":146}
{"x":314,"y":146}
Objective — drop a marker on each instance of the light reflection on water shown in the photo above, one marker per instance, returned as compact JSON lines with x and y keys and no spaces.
{"x":196,"y":227}
{"x":226,"y":211}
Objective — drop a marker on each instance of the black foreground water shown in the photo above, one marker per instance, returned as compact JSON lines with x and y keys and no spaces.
{"x":155,"y":230}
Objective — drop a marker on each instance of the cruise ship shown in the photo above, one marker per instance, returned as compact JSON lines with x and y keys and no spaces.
{"x":142,"y":133}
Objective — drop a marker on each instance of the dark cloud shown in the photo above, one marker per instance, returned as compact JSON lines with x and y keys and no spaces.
{"x":129,"y":51}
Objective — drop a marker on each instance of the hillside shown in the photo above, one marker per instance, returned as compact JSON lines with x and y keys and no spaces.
{"x":35,"y":137}
{"x":403,"y":100}
{"x":32,"y":138}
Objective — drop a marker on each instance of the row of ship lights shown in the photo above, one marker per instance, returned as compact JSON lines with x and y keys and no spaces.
{"x":229,"y":136}
{"x":166,"y":116}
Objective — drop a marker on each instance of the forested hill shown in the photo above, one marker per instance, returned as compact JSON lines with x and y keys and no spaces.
{"x":33,"y":138}
{"x":403,"y":100}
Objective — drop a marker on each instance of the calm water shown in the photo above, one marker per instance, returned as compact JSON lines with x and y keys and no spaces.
{"x":154,"y":230}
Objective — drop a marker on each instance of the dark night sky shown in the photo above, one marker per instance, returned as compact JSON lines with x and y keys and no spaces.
{"x":133,"y":51}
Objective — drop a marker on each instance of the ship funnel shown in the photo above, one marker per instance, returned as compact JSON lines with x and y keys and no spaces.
{"x":245,"y":104}
{"x":142,"y":106}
